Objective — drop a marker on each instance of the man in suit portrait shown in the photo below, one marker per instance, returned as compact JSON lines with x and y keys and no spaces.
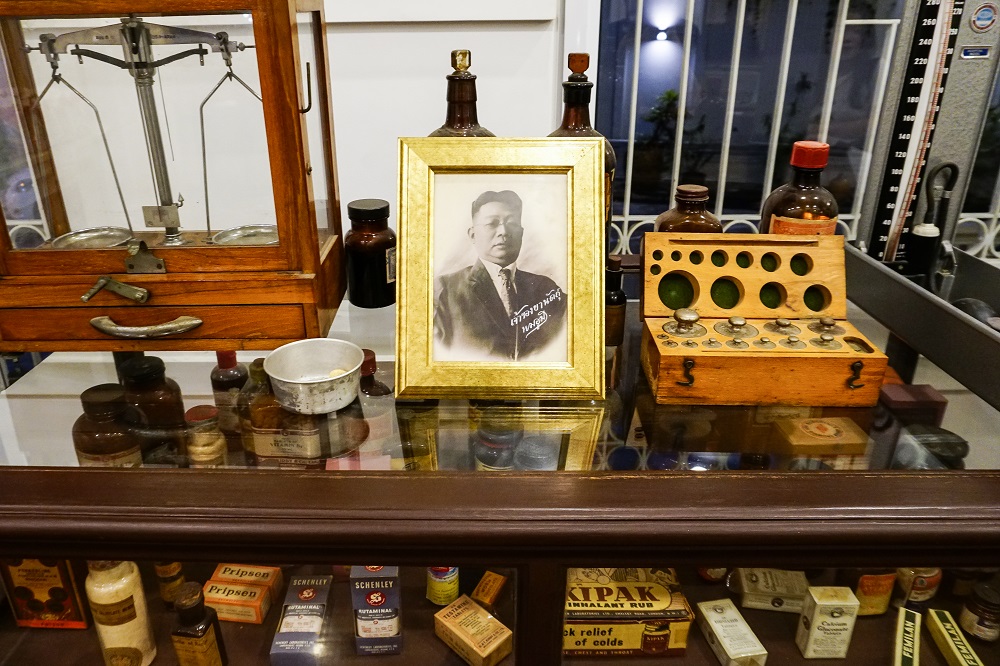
{"x":493,"y":310}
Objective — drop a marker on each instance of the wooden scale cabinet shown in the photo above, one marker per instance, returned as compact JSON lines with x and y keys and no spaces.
{"x":176,"y":157}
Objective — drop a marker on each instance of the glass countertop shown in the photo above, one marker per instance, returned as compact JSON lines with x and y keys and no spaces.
{"x":934,"y":424}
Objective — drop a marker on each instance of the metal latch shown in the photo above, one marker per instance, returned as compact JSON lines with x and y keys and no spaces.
{"x":137,"y":294}
{"x":141,"y":260}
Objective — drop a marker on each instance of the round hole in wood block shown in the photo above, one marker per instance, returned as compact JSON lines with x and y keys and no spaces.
{"x":696,"y":257}
{"x":655,"y":269}
{"x":720,"y":258}
{"x":744,"y":259}
{"x":676,"y":255}
{"x":801,"y":264}
{"x":817,"y":298}
{"x":770,"y":262}
{"x":726,"y":293}
{"x":677,"y":290}
{"x":657,"y":255}
{"x":773,"y":295}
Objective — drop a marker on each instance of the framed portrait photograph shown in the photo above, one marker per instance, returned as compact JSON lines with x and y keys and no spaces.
{"x":500,"y":273}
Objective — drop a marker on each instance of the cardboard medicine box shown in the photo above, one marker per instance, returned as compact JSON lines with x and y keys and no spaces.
{"x":297,"y":640}
{"x":625,"y":612}
{"x":728,"y":634}
{"x":475,"y":635}
{"x":772,"y":589}
{"x":376,"y":601}
{"x":270,"y":577}
{"x":238,"y":602}
{"x":827,"y":623}
{"x":950,"y":639}
{"x":43,"y":594}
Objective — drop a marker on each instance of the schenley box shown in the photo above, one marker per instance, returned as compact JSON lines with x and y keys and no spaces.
{"x":625,"y":612}
{"x":377,"y":621}
{"x":297,"y":641}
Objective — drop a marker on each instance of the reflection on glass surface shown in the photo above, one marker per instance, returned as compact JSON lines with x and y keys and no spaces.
{"x":141,"y":124}
{"x":915,"y":427}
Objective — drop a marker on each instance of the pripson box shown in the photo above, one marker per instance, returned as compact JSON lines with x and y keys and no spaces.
{"x":623,"y":612}
{"x":297,"y":639}
{"x":377,"y":622}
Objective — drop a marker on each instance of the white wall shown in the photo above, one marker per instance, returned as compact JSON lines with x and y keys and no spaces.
{"x":389,"y":60}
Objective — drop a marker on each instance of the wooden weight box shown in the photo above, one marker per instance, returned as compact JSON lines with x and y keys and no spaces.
{"x":737,"y":319}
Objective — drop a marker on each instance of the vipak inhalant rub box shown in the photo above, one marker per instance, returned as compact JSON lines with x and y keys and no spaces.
{"x":377,"y":620}
{"x":297,"y":639}
{"x":625,"y":612}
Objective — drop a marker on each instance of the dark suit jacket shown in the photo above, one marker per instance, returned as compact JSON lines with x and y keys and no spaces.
{"x":468,"y":313}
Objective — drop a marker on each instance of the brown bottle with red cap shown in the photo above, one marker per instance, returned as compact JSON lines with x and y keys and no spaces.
{"x":802,"y":206}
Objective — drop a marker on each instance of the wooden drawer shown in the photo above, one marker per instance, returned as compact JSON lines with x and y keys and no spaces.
{"x":222,"y":327}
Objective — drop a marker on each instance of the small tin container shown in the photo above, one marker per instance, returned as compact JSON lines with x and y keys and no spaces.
{"x":980,"y":617}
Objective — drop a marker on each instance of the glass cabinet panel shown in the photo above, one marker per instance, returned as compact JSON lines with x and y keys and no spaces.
{"x":137,"y":126}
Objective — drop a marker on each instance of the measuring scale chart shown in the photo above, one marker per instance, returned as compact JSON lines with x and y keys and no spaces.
{"x":752,"y":320}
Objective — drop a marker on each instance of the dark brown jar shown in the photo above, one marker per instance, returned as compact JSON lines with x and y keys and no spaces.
{"x":371,"y":254}
{"x":462,"y":118}
{"x":158,"y":398}
{"x":690,"y":214}
{"x":577,"y":92}
{"x":102,"y":435}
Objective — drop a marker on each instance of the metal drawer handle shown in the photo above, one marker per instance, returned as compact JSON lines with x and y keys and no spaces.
{"x":179,"y":325}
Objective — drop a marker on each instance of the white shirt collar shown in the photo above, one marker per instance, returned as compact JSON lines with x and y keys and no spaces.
{"x":494,"y":270}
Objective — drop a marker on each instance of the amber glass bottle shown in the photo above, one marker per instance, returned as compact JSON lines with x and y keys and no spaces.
{"x":256,"y":384}
{"x":228,"y":378}
{"x":576,"y":119}
{"x":689,"y":214}
{"x":148,"y":389}
{"x":462,"y":118}
{"x":101,"y":436}
{"x":197,"y":636}
{"x":615,"y":301}
{"x":371,"y":254}
{"x":802,"y":206}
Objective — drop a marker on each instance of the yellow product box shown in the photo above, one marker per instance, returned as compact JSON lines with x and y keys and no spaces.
{"x":475,"y":635}
{"x":625,"y":612}
{"x":729,"y":635}
{"x":950,"y":640}
{"x":907,"y":649}
{"x":238,"y":602}
{"x":43,"y":594}
{"x":271,"y":577}
{"x":488,"y":590}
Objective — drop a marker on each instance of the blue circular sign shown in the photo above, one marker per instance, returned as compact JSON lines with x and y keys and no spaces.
{"x":984,"y":17}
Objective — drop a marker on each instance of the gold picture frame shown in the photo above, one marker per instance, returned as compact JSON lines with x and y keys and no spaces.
{"x":471,"y":322}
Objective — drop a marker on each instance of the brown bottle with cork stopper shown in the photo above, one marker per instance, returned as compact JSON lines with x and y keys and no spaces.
{"x":577,"y":91}
{"x":462,"y":118}
{"x":690,"y":213}
{"x":802,"y":206}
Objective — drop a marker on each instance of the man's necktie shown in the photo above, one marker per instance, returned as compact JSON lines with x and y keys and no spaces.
{"x":507,"y":293}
